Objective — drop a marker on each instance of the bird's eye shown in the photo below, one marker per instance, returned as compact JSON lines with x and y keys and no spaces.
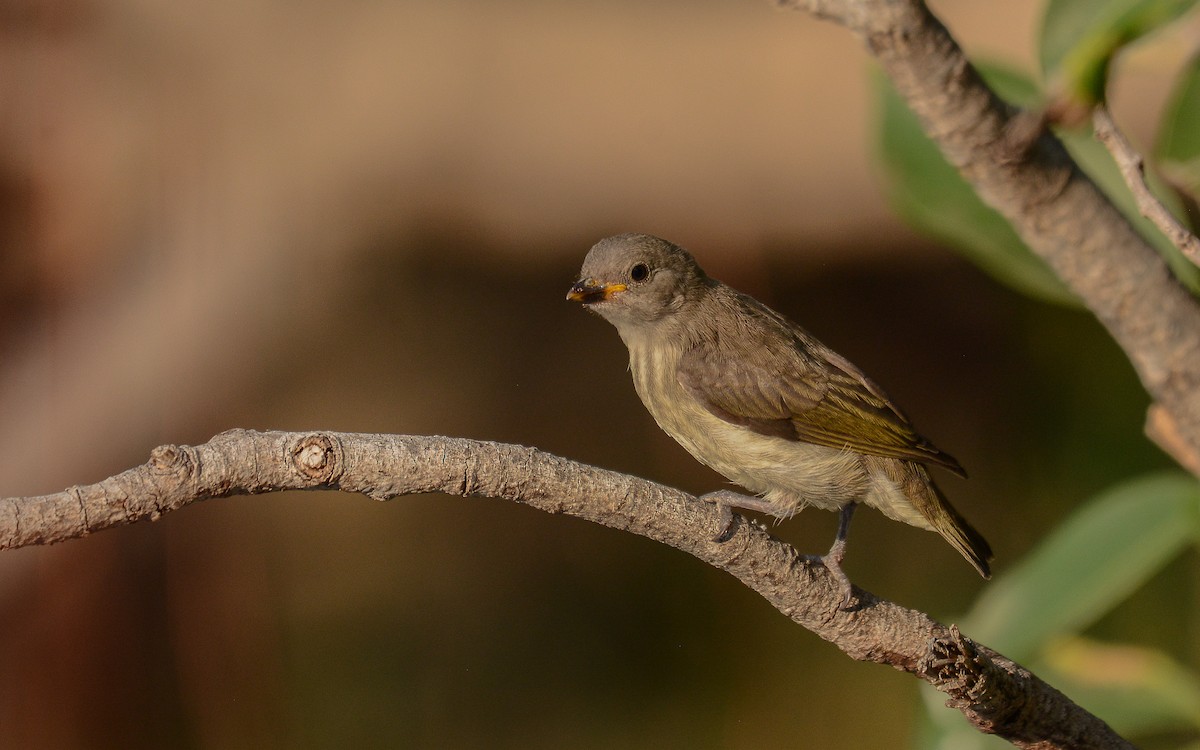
{"x":639,"y":272}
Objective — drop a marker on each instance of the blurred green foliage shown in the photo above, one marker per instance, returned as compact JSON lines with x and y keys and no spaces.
{"x":1107,"y":549}
{"x":929,"y":193}
{"x":1040,"y":612}
{"x":1035,"y":613}
{"x":1080,"y":38}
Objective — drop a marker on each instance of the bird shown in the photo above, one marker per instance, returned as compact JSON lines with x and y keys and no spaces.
{"x":760,"y":400}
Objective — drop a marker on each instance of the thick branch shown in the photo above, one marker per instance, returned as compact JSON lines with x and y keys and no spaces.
{"x":997,"y":695}
{"x":1054,"y":207}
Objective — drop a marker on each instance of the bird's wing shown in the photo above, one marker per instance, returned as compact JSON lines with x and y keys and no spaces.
{"x":775,"y":379}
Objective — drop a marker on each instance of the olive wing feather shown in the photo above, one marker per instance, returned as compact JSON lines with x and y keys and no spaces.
{"x":777,"y":380}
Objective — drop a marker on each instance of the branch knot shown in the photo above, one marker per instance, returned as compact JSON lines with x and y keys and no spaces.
{"x":176,"y":460}
{"x":318,"y":458}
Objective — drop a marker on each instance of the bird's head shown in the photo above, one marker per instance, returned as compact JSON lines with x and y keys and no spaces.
{"x":635,"y":280}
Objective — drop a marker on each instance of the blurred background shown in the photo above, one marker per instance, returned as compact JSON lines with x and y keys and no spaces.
{"x":364,"y":217}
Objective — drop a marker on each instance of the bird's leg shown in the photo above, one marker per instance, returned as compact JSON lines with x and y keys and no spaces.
{"x":726,"y":501}
{"x":833,"y":558}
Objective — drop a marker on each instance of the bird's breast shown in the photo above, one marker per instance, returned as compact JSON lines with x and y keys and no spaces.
{"x":789,"y":473}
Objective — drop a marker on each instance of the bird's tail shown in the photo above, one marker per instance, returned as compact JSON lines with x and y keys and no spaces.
{"x":934,"y":512}
{"x":962,"y":535}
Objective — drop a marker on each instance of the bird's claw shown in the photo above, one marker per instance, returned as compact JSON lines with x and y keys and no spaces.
{"x":833,"y":563}
{"x":843,"y":581}
{"x":726,"y":501}
{"x":726,"y":524}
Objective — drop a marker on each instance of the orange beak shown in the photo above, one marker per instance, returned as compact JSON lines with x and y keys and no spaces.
{"x":588,"y":291}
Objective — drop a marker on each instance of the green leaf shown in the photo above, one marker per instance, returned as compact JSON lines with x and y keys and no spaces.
{"x":1178,"y":147}
{"x":1080,"y":37}
{"x":1092,"y":562}
{"x":1137,"y":690}
{"x":930,"y":194}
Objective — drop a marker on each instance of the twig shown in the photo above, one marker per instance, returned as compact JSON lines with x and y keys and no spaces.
{"x":1133,"y":170}
{"x":995,"y":694}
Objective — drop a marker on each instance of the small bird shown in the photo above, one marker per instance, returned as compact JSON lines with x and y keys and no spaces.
{"x":757,"y":398}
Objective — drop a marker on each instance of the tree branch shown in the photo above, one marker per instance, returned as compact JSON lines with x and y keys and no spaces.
{"x":1133,"y":171}
{"x":1055,"y":208}
{"x":996,"y":695}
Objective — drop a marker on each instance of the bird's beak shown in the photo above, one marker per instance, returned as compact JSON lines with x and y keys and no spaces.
{"x":588,"y":291}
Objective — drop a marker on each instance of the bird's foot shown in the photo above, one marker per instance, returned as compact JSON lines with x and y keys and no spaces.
{"x":726,"y":501}
{"x":833,"y":563}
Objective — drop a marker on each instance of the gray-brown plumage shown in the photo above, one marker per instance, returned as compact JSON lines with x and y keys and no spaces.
{"x":751,"y":394}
